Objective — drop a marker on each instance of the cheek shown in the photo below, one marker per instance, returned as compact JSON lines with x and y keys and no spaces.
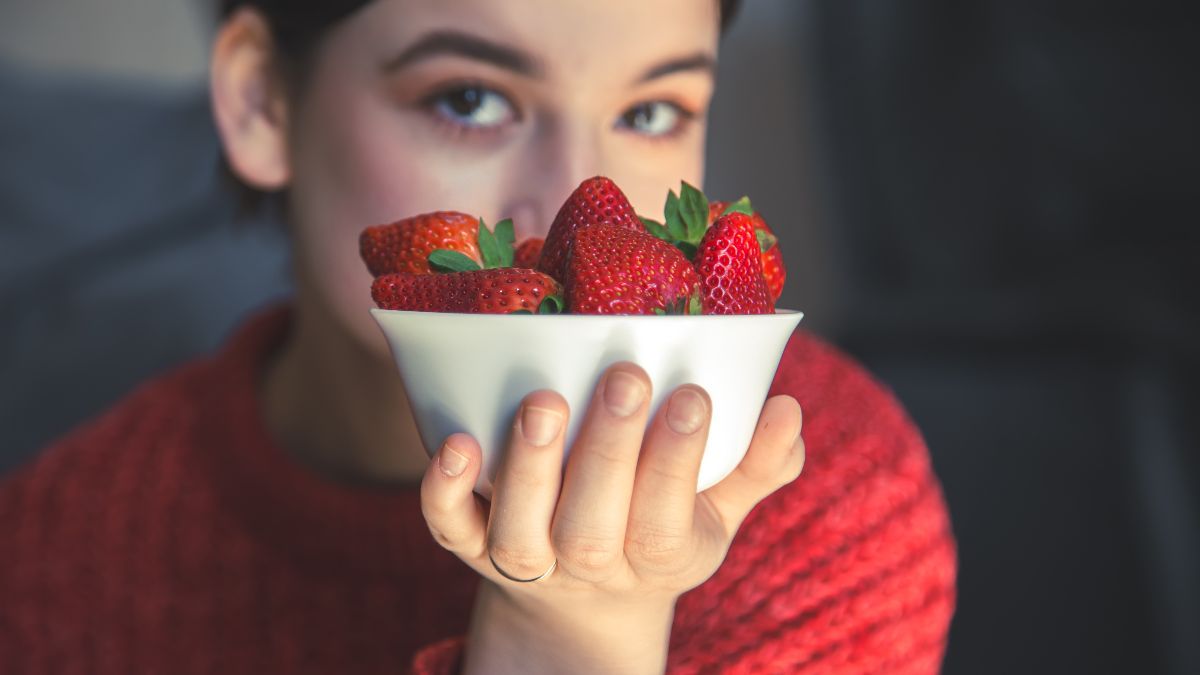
{"x":351,"y":167}
{"x":647,"y":172}
{"x":358,"y":161}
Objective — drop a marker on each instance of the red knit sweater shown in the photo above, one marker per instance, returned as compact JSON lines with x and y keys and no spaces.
{"x":171,"y":535}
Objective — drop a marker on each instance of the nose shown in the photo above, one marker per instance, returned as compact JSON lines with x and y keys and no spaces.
{"x":556,"y":158}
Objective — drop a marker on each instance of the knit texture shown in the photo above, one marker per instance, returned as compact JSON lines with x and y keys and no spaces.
{"x":171,"y":535}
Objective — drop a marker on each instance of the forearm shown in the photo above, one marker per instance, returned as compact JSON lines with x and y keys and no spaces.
{"x":505,"y":639}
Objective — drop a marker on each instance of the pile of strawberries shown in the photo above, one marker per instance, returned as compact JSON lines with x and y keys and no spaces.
{"x":599,"y":257}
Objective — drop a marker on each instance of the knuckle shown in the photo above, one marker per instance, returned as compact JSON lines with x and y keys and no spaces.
{"x":612,"y":456}
{"x":795,"y":463}
{"x":518,"y":560}
{"x":780,"y":470}
{"x":444,"y":540}
{"x":657,"y":545}
{"x":529,"y":479}
{"x":672,"y":477}
{"x":801,"y":460}
{"x":586,"y":553}
{"x":436,"y":515}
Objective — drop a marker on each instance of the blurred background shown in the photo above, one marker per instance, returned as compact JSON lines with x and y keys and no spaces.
{"x":992,"y":203}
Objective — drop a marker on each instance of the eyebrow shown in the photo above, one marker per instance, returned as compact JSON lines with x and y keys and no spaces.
{"x":457,"y":43}
{"x":700,"y":61}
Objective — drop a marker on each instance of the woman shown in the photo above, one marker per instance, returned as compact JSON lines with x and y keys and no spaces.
{"x":271,"y":508}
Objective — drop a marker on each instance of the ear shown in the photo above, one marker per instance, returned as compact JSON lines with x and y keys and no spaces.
{"x":249,"y":101}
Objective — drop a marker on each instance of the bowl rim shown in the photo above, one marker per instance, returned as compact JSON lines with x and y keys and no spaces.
{"x":637,"y":317}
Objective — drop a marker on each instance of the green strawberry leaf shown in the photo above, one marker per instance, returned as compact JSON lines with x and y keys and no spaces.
{"x":520,"y":311}
{"x":659,"y":311}
{"x":687,"y":248}
{"x":693,"y":207}
{"x":444,"y":260}
{"x":765,"y":241}
{"x":504,"y":239}
{"x":674,"y":222}
{"x":551,"y":304}
{"x":657,"y":229}
{"x":671,"y":208}
{"x":740,"y":206}
{"x":695,"y":305}
{"x":489,"y":248}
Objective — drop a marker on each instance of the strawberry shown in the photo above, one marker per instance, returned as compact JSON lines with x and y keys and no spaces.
{"x":772,"y":257}
{"x":611,"y":269}
{"x":528,"y":252}
{"x":405,"y":245}
{"x":495,"y":249}
{"x":596,"y":200}
{"x":488,"y":291}
{"x":729,"y":261}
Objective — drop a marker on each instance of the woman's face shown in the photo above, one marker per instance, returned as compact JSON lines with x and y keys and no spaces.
{"x":496,"y":109}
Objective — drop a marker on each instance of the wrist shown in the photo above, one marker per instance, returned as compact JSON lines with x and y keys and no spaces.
{"x":508,"y":635}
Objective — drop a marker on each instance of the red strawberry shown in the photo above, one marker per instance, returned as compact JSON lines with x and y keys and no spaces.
{"x":528,"y":252}
{"x":772,"y":257}
{"x":615,"y":270}
{"x":487,"y":291}
{"x":596,"y":200}
{"x":405,"y":245}
{"x":729,"y":261}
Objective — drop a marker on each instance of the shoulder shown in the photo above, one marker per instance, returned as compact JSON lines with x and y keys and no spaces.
{"x":57,"y":501}
{"x":160,"y":424}
{"x":854,"y":426}
{"x":149,"y":414}
{"x":838,"y":395}
{"x":860,"y":543}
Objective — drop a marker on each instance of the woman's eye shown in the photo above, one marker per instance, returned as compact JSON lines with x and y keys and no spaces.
{"x":473,"y":106}
{"x":656,"y":118}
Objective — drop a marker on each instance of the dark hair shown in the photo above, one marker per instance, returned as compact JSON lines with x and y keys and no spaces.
{"x":297,"y":28}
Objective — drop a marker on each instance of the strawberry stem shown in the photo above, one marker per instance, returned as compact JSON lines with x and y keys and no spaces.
{"x":551,"y":304}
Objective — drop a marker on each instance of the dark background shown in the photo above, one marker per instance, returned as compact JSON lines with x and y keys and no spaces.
{"x":992,"y":204}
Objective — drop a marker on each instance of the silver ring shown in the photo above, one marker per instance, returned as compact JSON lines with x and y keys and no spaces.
{"x":510,"y":577}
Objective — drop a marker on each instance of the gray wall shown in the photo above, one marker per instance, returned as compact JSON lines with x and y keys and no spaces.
{"x":145,"y":40}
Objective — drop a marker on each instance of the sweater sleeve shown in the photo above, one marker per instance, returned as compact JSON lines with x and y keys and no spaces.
{"x":849,"y":569}
{"x":440,"y":658}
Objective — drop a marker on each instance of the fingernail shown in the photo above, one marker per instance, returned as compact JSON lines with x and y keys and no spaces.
{"x":452,"y":463}
{"x":540,"y":425}
{"x":623,"y":393}
{"x":685,"y":412}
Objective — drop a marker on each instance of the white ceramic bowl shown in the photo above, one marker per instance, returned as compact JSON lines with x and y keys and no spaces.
{"x":469,"y":372}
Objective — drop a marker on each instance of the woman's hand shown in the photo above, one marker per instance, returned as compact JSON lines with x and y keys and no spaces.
{"x":625,"y":524}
